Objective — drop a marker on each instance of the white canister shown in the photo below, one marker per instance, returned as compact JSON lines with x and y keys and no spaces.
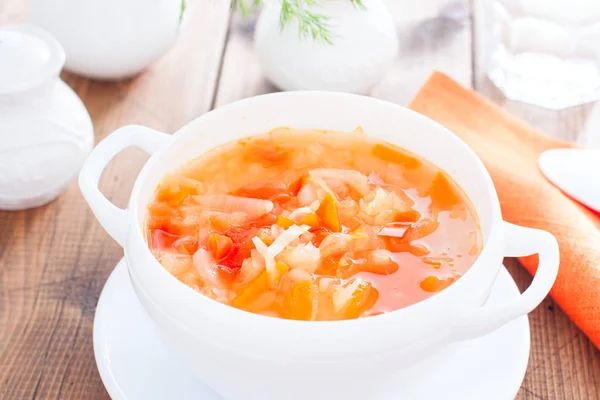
{"x":45,"y":130}
{"x":109,"y":39}
{"x":363,"y":47}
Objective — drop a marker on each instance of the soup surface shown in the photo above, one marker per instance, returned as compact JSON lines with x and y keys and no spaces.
{"x":313,"y":225}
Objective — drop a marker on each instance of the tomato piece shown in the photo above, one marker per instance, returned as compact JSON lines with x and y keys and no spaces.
{"x":219,"y":245}
{"x":241,"y":238}
{"x":394,"y":155}
{"x":319,"y":233}
{"x":294,"y":187}
{"x":168,"y":227}
{"x":328,"y":214}
{"x":186,"y":245}
{"x":162,"y":239}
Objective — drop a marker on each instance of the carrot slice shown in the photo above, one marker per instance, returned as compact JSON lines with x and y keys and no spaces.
{"x":363,"y":298}
{"x":328,"y":214}
{"x":424,"y":227}
{"x":434,"y":284}
{"x":310,"y":219}
{"x":396,"y":156}
{"x":442,"y":193}
{"x":251,"y":291}
{"x":298,"y":301}
{"x":219,"y":245}
{"x":407,"y":216}
{"x":282,"y":267}
{"x":284,"y":222}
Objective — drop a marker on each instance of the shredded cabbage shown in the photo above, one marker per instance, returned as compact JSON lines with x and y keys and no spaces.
{"x":289,"y":235}
{"x":269,"y":253}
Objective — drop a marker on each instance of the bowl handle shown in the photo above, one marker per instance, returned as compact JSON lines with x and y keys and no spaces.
{"x":112,"y":218}
{"x":520,"y":241}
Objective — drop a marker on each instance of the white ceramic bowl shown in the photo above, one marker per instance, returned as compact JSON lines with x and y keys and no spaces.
{"x":248,"y":356}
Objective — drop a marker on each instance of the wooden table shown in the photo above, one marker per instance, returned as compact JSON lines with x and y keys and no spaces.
{"x":54,"y":260}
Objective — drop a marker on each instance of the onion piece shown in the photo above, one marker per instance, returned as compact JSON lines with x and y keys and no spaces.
{"x":175,"y":263}
{"x":315,"y":205}
{"x":305,"y":256}
{"x":223,"y":295}
{"x":307,"y":195}
{"x":381,"y":256}
{"x":252,"y":267}
{"x":276,"y":230}
{"x":222,"y":218}
{"x":376,"y":179}
{"x":207,"y":268}
{"x":300,"y":275}
{"x":336,"y":243}
{"x":253,"y":208}
{"x":326,"y":283}
{"x":394,"y":230}
{"x":261,"y":247}
{"x":321,"y":184}
{"x":300,"y":212}
{"x":354,"y":179}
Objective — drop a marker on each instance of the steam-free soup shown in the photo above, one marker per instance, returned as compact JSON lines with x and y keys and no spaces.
{"x":313,"y":225}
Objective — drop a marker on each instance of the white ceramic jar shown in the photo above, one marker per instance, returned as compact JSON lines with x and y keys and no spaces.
{"x":109,"y":39}
{"x":243,"y":355}
{"x":364,"y":46}
{"x":45,"y":130}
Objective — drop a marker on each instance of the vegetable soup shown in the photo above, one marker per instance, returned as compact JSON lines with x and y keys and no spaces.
{"x":313,"y":225}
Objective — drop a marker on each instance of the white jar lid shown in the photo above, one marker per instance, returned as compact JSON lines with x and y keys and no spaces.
{"x":29,"y":56}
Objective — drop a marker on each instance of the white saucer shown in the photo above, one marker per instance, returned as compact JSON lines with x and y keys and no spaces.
{"x":134,"y":364}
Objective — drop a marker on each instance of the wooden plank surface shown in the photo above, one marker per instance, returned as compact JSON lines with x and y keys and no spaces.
{"x":54,"y":260}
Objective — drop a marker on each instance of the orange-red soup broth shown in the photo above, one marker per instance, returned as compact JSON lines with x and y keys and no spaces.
{"x":313,"y":225}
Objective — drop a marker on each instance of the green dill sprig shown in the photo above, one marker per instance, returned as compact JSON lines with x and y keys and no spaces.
{"x":310,"y":24}
{"x":182,"y":10}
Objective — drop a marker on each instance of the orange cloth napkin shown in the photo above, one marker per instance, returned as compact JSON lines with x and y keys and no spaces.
{"x":509,"y":149}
